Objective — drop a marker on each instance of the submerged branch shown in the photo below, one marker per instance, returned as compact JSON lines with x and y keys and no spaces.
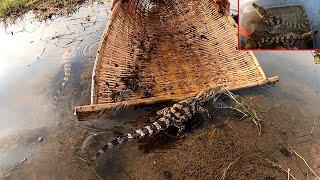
{"x":227,"y":168}
{"x":242,"y":108}
{"x":275,"y":165}
{"x":306,"y":163}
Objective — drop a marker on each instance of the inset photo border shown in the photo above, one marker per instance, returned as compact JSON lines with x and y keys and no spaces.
{"x":279,"y":24}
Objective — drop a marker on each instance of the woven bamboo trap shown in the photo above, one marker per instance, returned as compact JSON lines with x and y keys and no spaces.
{"x":161,"y":50}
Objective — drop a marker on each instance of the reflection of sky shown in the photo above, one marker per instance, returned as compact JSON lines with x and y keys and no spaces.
{"x":22,"y":49}
{"x":26,"y":82}
{"x":28,"y":42}
{"x":299,"y":78}
{"x":295,"y":66}
{"x":245,"y":1}
{"x":25,"y":79}
{"x":17,"y":81}
{"x":17,"y":48}
{"x":233,"y":5}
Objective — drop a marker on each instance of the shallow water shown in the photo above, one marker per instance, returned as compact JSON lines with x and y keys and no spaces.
{"x":299,"y":78}
{"x":234,"y":6}
{"x":37,"y":61}
{"x":34,"y":53}
{"x":42,"y":79}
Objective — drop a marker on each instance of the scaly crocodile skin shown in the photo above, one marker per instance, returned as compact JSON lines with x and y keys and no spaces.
{"x":287,"y":40}
{"x":174,"y":116}
{"x":277,"y":21}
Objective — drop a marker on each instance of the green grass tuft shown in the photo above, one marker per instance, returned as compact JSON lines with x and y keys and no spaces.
{"x":9,"y":7}
{"x":15,"y":8}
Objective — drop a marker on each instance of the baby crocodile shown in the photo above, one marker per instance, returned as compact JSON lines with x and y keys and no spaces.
{"x":288,"y":40}
{"x":174,"y":116}
{"x":276,"y":21}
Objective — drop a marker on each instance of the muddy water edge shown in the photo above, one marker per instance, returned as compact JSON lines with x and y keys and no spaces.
{"x":45,"y":145}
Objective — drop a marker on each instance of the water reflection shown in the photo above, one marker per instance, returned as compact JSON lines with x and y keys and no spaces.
{"x":234,"y":7}
{"x":297,"y":66}
{"x":33,"y":54}
{"x":299,"y":77}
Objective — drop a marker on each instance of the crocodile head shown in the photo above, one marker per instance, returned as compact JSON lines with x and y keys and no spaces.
{"x":260,"y":10}
{"x":263,"y":13}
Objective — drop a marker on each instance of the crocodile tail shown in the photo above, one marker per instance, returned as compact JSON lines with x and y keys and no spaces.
{"x":179,"y":112}
{"x":138,"y":134}
{"x":309,"y":35}
{"x":292,"y":24}
{"x":300,"y":25}
{"x":305,"y":21}
{"x":303,"y":24}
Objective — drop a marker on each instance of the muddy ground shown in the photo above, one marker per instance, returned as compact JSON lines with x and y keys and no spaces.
{"x":203,"y":153}
{"x":207,"y":151}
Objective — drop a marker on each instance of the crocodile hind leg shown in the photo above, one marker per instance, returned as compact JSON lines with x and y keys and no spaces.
{"x":180,"y":126}
{"x":205,"y":114}
{"x":180,"y":132}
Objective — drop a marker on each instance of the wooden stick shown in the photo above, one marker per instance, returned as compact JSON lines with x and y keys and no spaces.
{"x":99,"y":107}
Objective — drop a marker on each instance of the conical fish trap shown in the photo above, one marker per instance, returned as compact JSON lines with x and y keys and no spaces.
{"x":159,"y":50}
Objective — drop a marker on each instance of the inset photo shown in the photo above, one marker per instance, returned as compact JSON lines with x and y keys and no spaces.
{"x":279,"y":25}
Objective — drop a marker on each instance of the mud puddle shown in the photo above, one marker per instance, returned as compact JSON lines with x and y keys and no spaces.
{"x":60,"y":79}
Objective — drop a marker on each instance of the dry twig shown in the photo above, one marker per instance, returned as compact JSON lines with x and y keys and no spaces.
{"x":317,"y":177}
{"x":87,"y":161}
{"x":275,"y":165}
{"x":288,"y":173}
{"x":95,"y":172}
{"x":246,"y":111}
{"x":227,"y":168}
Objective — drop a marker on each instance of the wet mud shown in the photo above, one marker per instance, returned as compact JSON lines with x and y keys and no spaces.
{"x":206,"y":151}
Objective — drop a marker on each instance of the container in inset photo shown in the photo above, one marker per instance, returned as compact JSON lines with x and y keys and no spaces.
{"x":278,"y":25}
